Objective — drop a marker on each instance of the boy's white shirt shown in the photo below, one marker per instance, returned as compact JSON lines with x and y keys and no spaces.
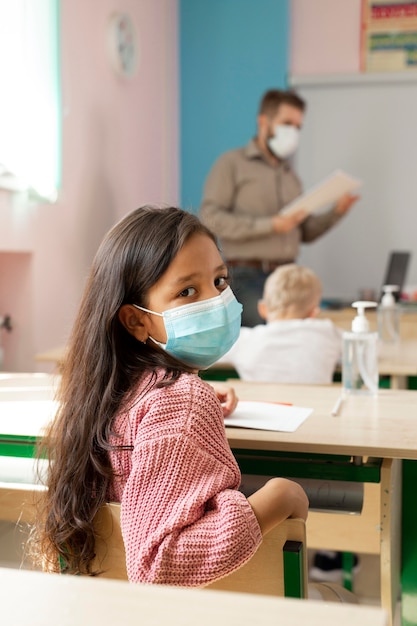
{"x":304,"y":351}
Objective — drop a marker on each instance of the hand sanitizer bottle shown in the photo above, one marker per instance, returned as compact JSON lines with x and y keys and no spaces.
{"x":360,"y":354}
{"x":389,"y":316}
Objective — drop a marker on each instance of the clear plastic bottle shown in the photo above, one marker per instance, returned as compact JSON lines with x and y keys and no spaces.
{"x":389,"y":316}
{"x":360,"y":354}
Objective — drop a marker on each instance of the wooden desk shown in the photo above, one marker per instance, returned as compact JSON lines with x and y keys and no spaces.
{"x":398,"y":361}
{"x":343,"y":319}
{"x":27,"y":403}
{"x":383,"y":427}
{"x":24,"y":380}
{"x":54,"y":355}
{"x":47,"y":599}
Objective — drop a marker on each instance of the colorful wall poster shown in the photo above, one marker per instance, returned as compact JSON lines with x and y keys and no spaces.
{"x":389,"y":35}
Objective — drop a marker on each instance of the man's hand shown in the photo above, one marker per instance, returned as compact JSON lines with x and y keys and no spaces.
{"x":345,"y":203}
{"x":285,"y":223}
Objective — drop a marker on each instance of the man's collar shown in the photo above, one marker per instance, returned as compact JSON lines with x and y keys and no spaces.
{"x":253,"y":151}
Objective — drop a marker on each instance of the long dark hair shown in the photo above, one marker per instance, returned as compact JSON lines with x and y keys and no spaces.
{"x":101,"y":368}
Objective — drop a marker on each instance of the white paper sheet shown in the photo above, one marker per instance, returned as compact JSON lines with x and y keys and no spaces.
{"x":324,"y":193}
{"x":268,"y":416}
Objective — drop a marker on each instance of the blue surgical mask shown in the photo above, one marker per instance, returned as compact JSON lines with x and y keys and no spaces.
{"x":201,"y":332}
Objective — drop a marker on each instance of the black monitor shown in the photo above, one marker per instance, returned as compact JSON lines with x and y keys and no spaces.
{"x":397,"y":270}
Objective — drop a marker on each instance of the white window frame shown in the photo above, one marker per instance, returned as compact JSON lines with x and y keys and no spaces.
{"x":30,"y":101}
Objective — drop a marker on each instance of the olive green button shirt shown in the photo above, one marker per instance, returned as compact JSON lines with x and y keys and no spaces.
{"x":242,"y":192}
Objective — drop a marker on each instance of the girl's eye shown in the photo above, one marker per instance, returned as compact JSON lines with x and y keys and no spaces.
{"x":222,"y":282}
{"x":186,"y":293}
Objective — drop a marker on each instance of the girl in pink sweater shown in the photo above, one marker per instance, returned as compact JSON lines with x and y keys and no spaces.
{"x":137,"y":425}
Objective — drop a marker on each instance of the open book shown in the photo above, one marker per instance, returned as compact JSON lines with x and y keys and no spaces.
{"x":324,"y":193}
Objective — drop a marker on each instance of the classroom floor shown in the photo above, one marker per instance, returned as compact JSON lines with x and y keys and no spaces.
{"x":366,"y":582}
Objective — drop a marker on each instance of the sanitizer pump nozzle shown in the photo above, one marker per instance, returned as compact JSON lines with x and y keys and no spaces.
{"x":388,"y":295}
{"x":360,"y":323}
{"x":360,"y":353}
{"x":389,"y":316}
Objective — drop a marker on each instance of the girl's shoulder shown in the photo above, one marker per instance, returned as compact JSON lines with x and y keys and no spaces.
{"x":156,"y":390}
{"x":185,"y":405}
{"x":189,"y":385}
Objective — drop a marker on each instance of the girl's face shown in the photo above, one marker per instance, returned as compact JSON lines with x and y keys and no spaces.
{"x":196,"y":273}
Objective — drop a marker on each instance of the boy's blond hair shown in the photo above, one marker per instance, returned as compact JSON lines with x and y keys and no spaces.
{"x":292,"y":291}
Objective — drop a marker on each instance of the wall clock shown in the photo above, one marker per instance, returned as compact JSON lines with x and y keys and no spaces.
{"x":123,"y":45}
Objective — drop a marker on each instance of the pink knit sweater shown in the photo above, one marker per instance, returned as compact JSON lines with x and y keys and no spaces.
{"x":183,"y":520}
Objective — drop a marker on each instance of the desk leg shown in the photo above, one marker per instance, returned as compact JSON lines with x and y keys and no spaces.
{"x":390,"y":515}
{"x":376,"y":531}
{"x":398,"y":382}
{"x":409,"y":552}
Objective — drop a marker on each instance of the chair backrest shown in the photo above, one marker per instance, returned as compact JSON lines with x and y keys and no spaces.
{"x":18,"y":501}
{"x":110,"y":550}
{"x":281,"y":552}
{"x":278,"y":567}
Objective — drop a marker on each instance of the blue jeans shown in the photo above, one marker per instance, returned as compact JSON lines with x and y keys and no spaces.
{"x":247,"y":284}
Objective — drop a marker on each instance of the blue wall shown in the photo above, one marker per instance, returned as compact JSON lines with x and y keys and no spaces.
{"x":231,"y":51}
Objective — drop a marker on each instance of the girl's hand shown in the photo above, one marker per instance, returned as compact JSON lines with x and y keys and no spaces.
{"x":227,"y":396}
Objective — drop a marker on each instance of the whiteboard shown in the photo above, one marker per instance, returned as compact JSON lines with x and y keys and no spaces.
{"x":365,"y":124}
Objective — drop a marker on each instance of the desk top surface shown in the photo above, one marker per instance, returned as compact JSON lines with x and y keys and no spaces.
{"x":398,"y":359}
{"x":383,"y":426}
{"x":68,"y":600}
{"x":27,"y":403}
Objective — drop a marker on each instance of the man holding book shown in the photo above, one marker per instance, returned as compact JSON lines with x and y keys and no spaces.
{"x":245,"y":192}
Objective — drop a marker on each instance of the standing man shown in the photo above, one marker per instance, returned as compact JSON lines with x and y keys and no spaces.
{"x":245,"y":192}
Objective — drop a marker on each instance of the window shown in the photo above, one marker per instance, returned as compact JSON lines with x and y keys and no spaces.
{"x":30,"y":121}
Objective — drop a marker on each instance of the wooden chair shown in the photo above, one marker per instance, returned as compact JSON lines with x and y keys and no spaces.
{"x":17,"y":501}
{"x":110,"y":550}
{"x":279,"y":566}
{"x":17,"y":509}
{"x":282,"y":548}
{"x":281,"y":552}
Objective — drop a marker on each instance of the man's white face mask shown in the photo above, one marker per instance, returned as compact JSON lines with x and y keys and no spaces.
{"x":284,"y":141}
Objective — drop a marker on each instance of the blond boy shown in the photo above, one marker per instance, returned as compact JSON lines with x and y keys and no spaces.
{"x":294,"y":346}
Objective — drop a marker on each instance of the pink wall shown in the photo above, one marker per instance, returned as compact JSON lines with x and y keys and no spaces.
{"x":325,"y":36}
{"x":120,"y":150}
